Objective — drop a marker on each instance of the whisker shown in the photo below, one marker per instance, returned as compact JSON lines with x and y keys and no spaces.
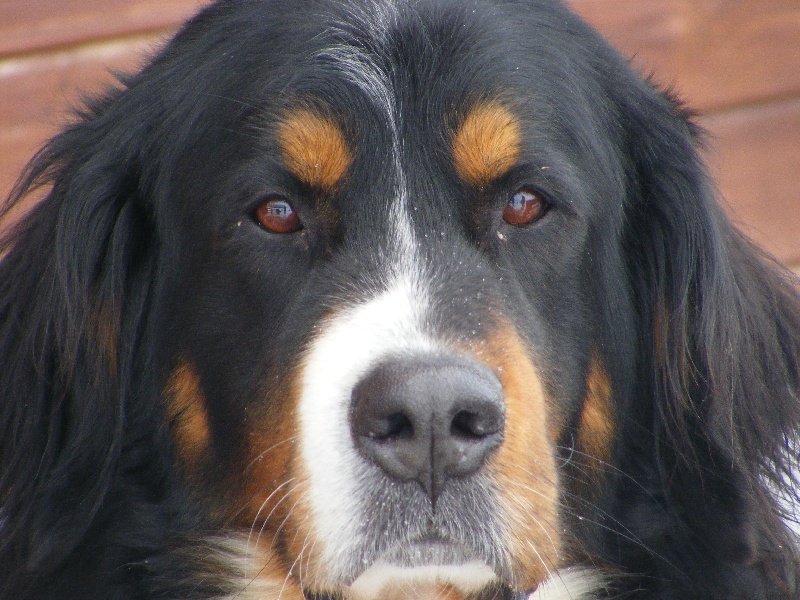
{"x":298,"y":561}
{"x":263,"y":504}
{"x":286,"y":518}
{"x":541,"y":560}
{"x":269,"y":516}
{"x":308,"y":556}
{"x":622,"y":531}
{"x":263,"y":453}
{"x":600,"y":462}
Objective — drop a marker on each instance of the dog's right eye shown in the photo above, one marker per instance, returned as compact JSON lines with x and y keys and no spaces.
{"x":276,"y":215}
{"x":525,"y":207}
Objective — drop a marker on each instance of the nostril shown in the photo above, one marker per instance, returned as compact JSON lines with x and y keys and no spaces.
{"x":468,"y":425}
{"x":396,"y":426}
{"x":478,"y":417}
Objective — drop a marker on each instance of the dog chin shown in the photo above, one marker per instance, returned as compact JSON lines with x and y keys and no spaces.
{"x":387,"y":581}
{"x":424,"y":569}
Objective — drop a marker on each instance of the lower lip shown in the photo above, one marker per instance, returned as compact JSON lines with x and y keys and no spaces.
{"x":465,"y":576}
{"x":428,"y":552}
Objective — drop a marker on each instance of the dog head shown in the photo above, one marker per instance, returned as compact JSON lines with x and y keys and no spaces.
{"x":390,"y":343}
{"x":426,"y":296}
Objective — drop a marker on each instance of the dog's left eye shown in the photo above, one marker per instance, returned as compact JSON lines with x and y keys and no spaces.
{"x":525,"y":206}
{"x":275,"y":214}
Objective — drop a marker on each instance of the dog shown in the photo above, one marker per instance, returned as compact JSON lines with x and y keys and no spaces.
{"x":386,"y":299}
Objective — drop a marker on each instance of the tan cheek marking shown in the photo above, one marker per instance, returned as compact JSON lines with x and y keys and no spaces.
{"x":596,"y":427}
{"x":276,"y":493}
{"x":524,"y":465}
{"x":487,"y":145}
{"x":187,"y":414}
{"x":314,"y":149}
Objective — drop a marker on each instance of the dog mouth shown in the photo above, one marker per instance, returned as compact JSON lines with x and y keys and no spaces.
{"x":429,"y":550}
{"x":427,"y":567}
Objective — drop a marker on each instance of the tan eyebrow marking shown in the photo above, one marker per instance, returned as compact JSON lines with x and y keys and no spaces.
{"x":314,"y":148}
{"x":487,"y":144}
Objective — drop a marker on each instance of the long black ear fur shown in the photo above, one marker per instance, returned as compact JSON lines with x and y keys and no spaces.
{"x":714,"y":436}
{"x":74,"y":284}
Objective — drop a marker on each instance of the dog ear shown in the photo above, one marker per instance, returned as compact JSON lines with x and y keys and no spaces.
{"x":73,"y":289}
{"x":719,"y":339}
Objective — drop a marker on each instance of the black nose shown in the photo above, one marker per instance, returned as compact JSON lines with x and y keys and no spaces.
{"x":428,"y":418}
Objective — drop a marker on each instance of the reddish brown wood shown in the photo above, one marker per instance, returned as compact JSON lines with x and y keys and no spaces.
{"x":28,"y":25}
{"x":716,"y":52}
{"x":755,"y":155}
{"x":38,"y":92}
{"x":648,"y":30}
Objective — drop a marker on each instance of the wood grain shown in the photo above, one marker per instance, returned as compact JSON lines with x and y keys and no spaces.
{"x":716,"y":53}
{"x":39,"y":92}
{"x":754,"y":154}
{"x":29,"y":25}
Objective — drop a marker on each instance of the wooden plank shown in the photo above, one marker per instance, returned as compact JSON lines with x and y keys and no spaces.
{"x":754,"y":155}
{"x":716,"y":54}
{"x":38,"y":92}
{"x":15,"y":151}
{"x":38,"y":86}
{"x":742,"y":52}
{"x":28,"y":25}
{"x":720,"y":53}
{"x":650,"y":31}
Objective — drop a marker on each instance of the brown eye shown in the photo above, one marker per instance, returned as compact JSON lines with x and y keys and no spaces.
{"x":524,"y":207}
{"x":277,"y":215}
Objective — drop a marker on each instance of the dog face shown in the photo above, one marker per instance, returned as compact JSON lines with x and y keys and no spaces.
{"x":389,"y":331}
{"x":413,"y":300}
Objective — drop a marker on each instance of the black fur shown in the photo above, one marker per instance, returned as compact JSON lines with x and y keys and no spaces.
{"x":125,"y":266}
